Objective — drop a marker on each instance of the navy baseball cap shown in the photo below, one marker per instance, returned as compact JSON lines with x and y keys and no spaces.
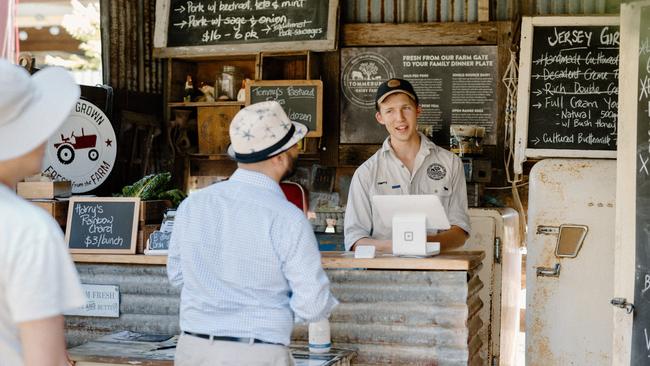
{"x":392,"y":86}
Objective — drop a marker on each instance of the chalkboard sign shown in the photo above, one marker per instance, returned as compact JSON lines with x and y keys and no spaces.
{"x":102,"y":225}
{"x":159,"y":241}
{"x":641,"y":323}
{"x":207,"y":27}
{"x":302,"y":100}
{"x":568,"y":87}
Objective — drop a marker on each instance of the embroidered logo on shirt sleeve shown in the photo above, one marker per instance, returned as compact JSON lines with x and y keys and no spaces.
{"x":436,"y":171}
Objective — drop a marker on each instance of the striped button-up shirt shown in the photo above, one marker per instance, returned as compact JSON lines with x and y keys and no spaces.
{"x":247,"y":261}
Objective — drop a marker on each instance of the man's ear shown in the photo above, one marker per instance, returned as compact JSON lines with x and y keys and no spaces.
{"x":379,"y":118}
{"x":278,"y":159}
{"x":418,"y":110}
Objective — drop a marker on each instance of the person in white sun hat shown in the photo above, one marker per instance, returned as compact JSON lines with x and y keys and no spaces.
{"x":246,"y":259}
{"x":38,"y":280}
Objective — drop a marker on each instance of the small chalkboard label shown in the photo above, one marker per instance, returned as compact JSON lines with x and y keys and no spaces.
{"x":302,"y":100}
{"x":102,"y":225}
{"x":567,"y":101}
{"x":159,"y":240}
{"x":207,"y":27}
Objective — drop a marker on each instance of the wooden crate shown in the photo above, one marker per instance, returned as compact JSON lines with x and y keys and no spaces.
{"x":45,"y":190}
{"x":152,"y":212}
{"x":143,"y":235}
{"x":213,"y":125}
{"x":57,"y":209}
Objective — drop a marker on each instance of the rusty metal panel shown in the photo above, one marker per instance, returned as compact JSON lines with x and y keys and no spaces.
{"x":410,"y":11}
{"x":129,"y":39}
{"x":511,"y":9}
{"x":407,"y":317}
{"x":397,"y":317}
{"x":148,"y":303}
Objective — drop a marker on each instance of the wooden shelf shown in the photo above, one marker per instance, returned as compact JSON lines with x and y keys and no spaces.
{"x":205,"y":104}
{"x":301,"y":156}
{"x":120,"y":258}
{"x":210,"y":156}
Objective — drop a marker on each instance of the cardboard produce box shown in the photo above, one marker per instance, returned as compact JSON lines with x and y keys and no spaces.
{"x":44,"y":190}
{"x":57,"y":209}
{"x":144,"y":231}
{"x":152,"y":212}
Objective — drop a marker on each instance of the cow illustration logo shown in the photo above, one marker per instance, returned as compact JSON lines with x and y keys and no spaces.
{"x":83,"y":150}
{"x":362,"y":75}
{"x":436,"y":171}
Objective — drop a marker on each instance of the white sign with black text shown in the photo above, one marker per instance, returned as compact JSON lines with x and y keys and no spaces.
{"x":101,"y":300}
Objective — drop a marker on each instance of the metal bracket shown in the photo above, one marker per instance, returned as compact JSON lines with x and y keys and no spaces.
{"x":549,"y":272}
{"x":548,"y":230}
{"x":622,"y":303}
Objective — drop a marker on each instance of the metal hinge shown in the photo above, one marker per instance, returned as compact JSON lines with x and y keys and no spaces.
{"x":622,"y":303}
{"x":548,"y":230}
{"x":497,"y":250}
{"x":549,"y":272}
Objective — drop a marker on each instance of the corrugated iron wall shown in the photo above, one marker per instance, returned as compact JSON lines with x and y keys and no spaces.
{"x":410,"y":11}
{"x":148,"y":303}
{"x":396,"y":317}
{"x":431,"y":11}
{"x":509,"y":9}
{"x":406,"y":317}
{"x":128,"y":29}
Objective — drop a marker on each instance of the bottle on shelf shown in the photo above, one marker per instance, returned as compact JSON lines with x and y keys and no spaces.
{"x":189,"y":89}
{"x":228,"y":83}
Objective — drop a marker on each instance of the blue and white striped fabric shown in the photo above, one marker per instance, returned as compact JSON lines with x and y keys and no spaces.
{"x":247,"y":261}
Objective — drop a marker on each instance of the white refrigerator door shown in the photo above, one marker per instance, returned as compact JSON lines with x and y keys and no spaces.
{"x":569,"y":317}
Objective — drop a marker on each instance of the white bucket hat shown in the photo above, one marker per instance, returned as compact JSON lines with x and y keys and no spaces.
{"x":32,"y":108}
{"x":261,"y":131}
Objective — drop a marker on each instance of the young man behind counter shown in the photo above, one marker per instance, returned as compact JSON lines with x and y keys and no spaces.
{"x":246,"y":258}
{"x":407,"y":163}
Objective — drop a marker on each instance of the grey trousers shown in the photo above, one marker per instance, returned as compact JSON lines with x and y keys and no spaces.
{"x":194,"y":351}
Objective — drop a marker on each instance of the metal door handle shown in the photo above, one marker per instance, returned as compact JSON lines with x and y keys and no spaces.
{"x":623,"y":304}
{"x":549,"y":272}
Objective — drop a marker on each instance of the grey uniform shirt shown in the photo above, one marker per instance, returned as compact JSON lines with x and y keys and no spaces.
{"x":436,"y":171}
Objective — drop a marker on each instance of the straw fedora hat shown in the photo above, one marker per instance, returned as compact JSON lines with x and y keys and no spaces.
{"x":261,"y":131}
{"x":32,"y":108}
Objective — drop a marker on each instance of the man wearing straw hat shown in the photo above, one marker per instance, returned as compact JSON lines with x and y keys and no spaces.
{"x":407,"y":163}
{"x":38,"y":280}
{"x":245,"y":257}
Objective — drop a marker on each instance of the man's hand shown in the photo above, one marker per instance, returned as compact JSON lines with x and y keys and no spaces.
{"x":450,"y":239}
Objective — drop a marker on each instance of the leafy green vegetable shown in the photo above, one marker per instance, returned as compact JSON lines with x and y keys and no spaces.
{"x":154,"y":186}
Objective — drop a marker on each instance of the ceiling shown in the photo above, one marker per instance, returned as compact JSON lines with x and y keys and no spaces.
{"x":44,"y":13}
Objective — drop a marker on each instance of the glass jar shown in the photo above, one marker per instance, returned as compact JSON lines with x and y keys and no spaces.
{"x":228,"y":83}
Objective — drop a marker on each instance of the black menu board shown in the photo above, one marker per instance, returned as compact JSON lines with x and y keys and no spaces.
{"x":573,"y":100}
{"x":102,"y":224}
{"x":641,"y":324}
{"x":235,"y":25}
{"x":567,"y":89}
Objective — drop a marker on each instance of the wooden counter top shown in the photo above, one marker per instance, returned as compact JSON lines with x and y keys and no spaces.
{"x":120,"y":258}
{"x":456,"y":261}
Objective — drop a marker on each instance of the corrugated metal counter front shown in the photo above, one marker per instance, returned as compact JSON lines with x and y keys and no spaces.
{"x":416,"y":311}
